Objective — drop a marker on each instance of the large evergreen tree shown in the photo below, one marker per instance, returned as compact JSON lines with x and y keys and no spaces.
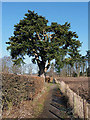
{"x":34,"y":37}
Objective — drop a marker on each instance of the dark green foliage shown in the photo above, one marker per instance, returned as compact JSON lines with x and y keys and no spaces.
{"x":33,"y":37}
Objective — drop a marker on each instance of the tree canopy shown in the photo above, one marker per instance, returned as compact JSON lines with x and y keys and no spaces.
{"x":34,"y":37}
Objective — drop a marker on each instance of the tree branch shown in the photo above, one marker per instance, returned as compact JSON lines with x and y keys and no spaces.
{"x":44,"y":34}
{"x":38,"y":36}
{"x":36,"y":56}
{"x":46,"y":68}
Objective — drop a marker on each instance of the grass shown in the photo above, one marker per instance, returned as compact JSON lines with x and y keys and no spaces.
{"x":39,"y":103}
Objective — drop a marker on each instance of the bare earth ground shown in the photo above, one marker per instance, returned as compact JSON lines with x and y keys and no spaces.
{"x":80,"y":85}
{"x":50,"y":103}
{"x":55,"y":105}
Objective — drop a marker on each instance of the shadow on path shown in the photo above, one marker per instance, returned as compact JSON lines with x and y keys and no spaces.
{"x":55,"y":105}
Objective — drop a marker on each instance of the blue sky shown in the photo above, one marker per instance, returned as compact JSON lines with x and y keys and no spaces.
{"x":75,"y":13}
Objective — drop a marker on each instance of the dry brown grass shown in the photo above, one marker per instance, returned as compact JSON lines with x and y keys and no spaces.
{"x":16,"y":88}
{"x":80,"y":85}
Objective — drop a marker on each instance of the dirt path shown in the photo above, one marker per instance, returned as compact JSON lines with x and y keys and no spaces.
{"x":50,"y":103}
{"x":55,"y":105}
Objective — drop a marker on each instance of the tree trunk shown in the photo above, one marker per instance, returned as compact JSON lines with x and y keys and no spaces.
{"x":41,"y":72}
{"x":83,"y":68}
{"x":70,"y":71}
{"x":86,"y":68}
{"x":78,"y":70}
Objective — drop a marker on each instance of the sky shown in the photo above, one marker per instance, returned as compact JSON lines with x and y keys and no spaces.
{"x":75,"y":13}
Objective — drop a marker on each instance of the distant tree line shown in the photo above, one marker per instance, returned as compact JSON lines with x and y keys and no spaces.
{"x":74,"y":68}
{"x":7,"y":66}
{"x":80,"y":67}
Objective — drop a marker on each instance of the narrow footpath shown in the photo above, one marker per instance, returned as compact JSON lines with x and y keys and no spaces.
{"x":50,"y":104}
{"x":55,"y":105}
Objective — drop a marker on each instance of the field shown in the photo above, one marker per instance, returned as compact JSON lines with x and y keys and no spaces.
{"x":80,"y":85}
